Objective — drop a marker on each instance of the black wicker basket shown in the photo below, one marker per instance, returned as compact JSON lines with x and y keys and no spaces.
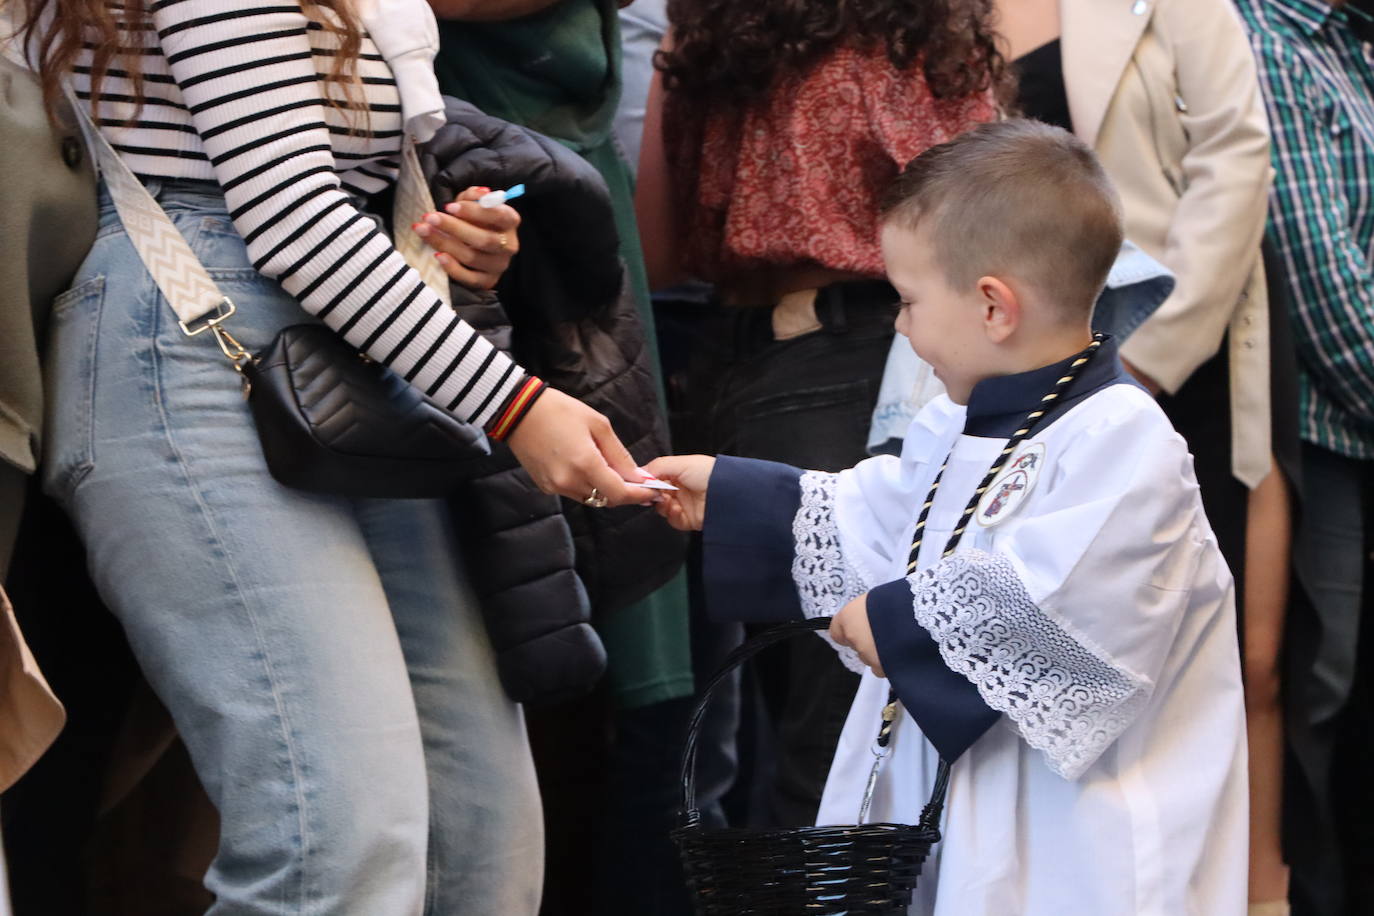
{"x":865,"y":868}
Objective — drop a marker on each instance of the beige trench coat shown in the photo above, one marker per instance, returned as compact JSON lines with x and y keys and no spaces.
{"x":1166,"y":93}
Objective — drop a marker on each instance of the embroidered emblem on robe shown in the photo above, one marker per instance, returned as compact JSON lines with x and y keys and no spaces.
{"x":1010,"y":487}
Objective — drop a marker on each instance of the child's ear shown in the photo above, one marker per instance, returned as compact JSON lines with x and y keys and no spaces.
{"x":1001,"y":308}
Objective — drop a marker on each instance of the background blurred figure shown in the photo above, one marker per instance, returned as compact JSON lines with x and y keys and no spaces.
{"x":608,"y":766}
{"x":1165,"y":93}
{"x":1317,"y":74}
{"x":47,"y":222}
{"x":643,"y":24}
{"x":760,"y":169}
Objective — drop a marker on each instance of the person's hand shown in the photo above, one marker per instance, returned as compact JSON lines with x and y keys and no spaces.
{"x":474,"y":244}
{"x":850,"y":628}
{"x":684,"y":508}
{"x":795,"y":315}
{"x":571,"y":450}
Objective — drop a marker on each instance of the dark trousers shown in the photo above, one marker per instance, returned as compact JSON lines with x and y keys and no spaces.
{"x":1329,"y":695}
{"x":807,"y":401}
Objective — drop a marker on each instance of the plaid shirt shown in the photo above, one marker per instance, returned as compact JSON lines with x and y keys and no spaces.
{"x":1317,"y":71}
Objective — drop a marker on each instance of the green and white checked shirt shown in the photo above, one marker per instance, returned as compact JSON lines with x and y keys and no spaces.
{"x":1316,"y":67}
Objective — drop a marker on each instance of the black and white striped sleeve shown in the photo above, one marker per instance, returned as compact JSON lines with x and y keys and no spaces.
{"x":249,"y":79}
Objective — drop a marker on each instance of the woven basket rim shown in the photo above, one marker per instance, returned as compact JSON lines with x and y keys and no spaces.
{"x":883,"y":829}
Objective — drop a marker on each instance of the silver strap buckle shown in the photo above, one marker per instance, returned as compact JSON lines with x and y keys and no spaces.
{"x":210,"y":319}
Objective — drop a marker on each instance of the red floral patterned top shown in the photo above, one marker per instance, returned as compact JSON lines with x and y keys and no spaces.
{"x":794,"y":180}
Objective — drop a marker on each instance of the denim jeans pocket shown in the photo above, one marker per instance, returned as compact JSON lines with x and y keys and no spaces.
{"x":69,"y":372}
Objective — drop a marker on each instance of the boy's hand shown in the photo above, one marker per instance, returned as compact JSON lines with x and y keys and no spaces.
{"x":850,"y":628}
{"x":685,"y":508}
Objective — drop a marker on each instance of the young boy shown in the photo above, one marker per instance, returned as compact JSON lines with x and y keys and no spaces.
{"x":1075,"y":658}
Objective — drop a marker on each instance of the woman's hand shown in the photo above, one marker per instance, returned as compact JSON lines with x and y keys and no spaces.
{"x":571,"y":450}
{"x":474,"y":244}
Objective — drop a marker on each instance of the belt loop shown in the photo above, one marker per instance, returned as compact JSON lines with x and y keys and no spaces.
{"x":830,"y":311}
{"x":737,"y":327}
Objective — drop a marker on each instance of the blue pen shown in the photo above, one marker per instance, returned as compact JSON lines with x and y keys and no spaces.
{"x":497,"y":198}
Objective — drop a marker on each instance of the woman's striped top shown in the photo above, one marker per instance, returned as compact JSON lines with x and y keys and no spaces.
{"x":235,"y":92}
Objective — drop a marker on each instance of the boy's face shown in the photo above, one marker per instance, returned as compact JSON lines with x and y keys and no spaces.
{"x":944,"y":326}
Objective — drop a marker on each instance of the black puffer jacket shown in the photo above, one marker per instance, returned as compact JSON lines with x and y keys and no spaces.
{"x":564,"y":310}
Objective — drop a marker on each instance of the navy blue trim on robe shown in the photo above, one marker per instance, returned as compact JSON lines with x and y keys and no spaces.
{"x":747,"y":543}
{"x":998,"y":406}
{"x":946,"y":705}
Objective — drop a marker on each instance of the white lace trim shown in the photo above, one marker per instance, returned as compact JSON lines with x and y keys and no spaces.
{"x":825,"y":581}
{"x":1066,"y":700}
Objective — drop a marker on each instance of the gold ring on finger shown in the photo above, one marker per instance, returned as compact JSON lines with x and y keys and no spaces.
{"x":503,"y":241}
{"x":596,"y":500}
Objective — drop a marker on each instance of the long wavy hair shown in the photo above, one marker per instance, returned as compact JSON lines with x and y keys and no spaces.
{"x":57,"y":30}
{"x":735,"y":50}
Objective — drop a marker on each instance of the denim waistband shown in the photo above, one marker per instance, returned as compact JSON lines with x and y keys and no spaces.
{"x":185,"y":191}
{"x":856,"y":296}
{"x":196,"y":194}
{"x":863,"y":306}
{"x":856,"y":303}
{"x":188,"y":191}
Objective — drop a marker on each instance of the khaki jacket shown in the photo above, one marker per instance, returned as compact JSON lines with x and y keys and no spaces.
{"x":47,"y":222}
{"x":1166,"y":93}
{"x":30,"y":715}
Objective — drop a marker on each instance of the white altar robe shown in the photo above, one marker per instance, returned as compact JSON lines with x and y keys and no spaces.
{"x":1098,"y":617}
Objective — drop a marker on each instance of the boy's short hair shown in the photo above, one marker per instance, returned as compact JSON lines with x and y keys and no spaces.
{"x":1015,"y":198}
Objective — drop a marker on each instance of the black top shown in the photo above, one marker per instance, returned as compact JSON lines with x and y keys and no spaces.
{"x":1041,"y":92}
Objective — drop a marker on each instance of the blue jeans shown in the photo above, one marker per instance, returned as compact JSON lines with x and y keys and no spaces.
{"x":323,"y":657}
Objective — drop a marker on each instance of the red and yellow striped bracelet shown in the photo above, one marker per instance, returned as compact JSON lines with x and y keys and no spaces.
{"x":515,"y":408}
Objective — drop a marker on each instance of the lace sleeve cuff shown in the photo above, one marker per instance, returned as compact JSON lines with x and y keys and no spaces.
{"x":825,"y":581}
{"x":1066,"y":697}
{"x":946,"y":705}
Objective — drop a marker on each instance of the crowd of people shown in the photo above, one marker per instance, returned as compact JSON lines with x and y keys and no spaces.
{"x":875,"y":252}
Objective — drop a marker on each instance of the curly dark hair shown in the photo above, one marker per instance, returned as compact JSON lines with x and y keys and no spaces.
{"x":734,"y":50}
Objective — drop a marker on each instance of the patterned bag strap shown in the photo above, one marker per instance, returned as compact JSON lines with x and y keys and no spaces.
{"x":183,"y":280}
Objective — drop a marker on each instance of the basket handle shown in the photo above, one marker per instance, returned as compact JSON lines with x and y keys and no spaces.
{"x":690,"y":815}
